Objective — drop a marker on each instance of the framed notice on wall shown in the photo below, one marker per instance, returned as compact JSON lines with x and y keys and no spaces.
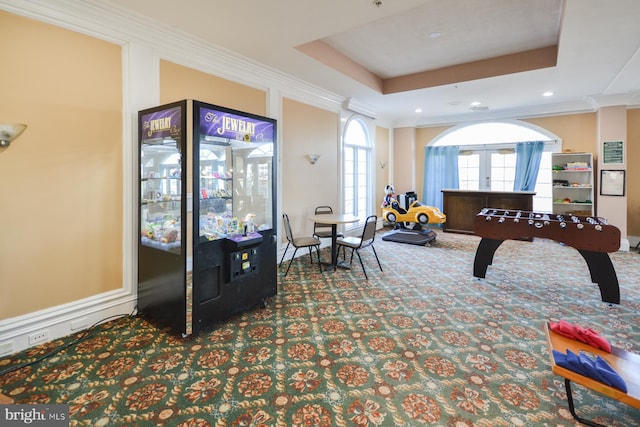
{"x":612,"y":183}
{"x":613,"y":152}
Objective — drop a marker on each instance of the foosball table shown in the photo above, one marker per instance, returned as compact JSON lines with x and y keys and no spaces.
{"x":593,"y":237}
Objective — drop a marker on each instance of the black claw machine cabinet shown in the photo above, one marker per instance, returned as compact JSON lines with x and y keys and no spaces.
{"x":207,"y":245}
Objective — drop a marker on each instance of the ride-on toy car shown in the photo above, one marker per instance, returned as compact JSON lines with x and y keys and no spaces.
{"x":417,"y":213}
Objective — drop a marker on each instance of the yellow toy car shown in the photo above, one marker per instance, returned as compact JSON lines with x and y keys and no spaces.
{"x":417,"y":213}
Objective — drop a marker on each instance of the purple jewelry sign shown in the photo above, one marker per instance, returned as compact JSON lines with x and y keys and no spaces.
{"x":162,"y":124}
{"x":233,"y":126}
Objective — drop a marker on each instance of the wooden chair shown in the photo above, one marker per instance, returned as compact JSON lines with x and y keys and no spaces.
{"x":299,"y":242}
{"x":322,"y":231}
{"x":364,"y":241}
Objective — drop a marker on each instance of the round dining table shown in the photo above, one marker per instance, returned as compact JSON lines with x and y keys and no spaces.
{"x":334,"y":220}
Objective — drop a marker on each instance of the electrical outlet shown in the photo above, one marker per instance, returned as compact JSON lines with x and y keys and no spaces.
{"x":79,"y":324}
{"x":6,"y":348}
{"x":38,"y":337}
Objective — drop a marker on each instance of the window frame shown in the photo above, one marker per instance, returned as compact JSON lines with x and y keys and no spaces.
{"x":366,"y":149}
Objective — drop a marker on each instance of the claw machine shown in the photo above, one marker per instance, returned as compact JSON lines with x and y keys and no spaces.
{"x":207,"y":243}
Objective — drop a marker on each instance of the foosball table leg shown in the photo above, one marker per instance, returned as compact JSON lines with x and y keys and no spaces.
{"x":604,"y":274}
{"x":484,"y":256}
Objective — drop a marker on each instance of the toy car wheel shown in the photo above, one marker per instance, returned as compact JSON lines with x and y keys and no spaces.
{"x":423,"y":218}
{"x":391,"y":217}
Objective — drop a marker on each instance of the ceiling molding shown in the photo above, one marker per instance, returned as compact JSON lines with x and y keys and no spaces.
{"x":354,"y":106}
{"x":530,"y":60}
{"x":577,"y":107}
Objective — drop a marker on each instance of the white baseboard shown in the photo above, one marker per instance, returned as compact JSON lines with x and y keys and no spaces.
{"x":57,"y":322}
{"x":625,"y":245}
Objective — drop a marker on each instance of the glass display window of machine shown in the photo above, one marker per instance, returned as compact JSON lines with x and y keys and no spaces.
{"x":161,"y":180}
{"x":236,"y":166}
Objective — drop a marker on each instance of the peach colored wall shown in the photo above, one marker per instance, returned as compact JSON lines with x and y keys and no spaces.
{"x":404,"y":165}
{"x":61,"y":181}
{"x":633,"y":172}
{"x":178,"y":82}
{"x":307,"y":129}
{"x":579,"y":132}
{"x":381,"y":173}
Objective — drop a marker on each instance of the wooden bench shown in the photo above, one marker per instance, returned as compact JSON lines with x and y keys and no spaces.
{"x":625,"y":363}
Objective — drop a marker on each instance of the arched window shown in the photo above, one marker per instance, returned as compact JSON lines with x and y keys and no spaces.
{"x":356,"y":159}
{"x":487,"y":157}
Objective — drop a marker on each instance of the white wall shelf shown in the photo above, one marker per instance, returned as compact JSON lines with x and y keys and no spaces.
{"x":572,"y":175}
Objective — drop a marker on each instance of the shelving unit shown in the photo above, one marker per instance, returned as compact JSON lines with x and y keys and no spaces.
{"x":572,"y":183}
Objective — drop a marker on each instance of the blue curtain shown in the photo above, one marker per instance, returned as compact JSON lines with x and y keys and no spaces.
{"x":528,"y":155}
{"x":440,"y":171}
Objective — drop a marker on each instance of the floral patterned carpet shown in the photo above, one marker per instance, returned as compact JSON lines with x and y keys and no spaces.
{"x":422,"y":343}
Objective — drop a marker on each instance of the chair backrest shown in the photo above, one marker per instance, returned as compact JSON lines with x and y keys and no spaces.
{"x":369,"y":230}
{"x":287,"y":227}
{"x":322,"y":210}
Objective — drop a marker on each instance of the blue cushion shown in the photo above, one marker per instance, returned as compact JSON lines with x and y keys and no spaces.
{"x":585,"y":365}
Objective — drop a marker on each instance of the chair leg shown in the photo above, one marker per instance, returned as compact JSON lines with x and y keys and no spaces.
{"x":290,"y":261}
{"x":311,"y":254}
{"x":362,"y":264}
{"x":376,"y":254}
{"x":319,"y":263}
{"x":284,"y":253}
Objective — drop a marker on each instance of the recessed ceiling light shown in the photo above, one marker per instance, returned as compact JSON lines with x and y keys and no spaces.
{"x":547,"y":93}
{"x":475,"y":103}
{"x":418,"y":110}
{"x":435,"y":34}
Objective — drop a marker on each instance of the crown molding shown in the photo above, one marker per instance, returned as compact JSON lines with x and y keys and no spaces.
{"x":576,"y":107}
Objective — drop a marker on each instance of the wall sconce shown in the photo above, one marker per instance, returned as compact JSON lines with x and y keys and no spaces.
{"x":382,"y":165}
{"x":313,"y":158}
{"x":9,"y":132}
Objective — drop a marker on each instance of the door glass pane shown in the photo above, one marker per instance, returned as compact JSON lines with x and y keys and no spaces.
{"x":469,"y":171}
{"x":503,"y":166}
